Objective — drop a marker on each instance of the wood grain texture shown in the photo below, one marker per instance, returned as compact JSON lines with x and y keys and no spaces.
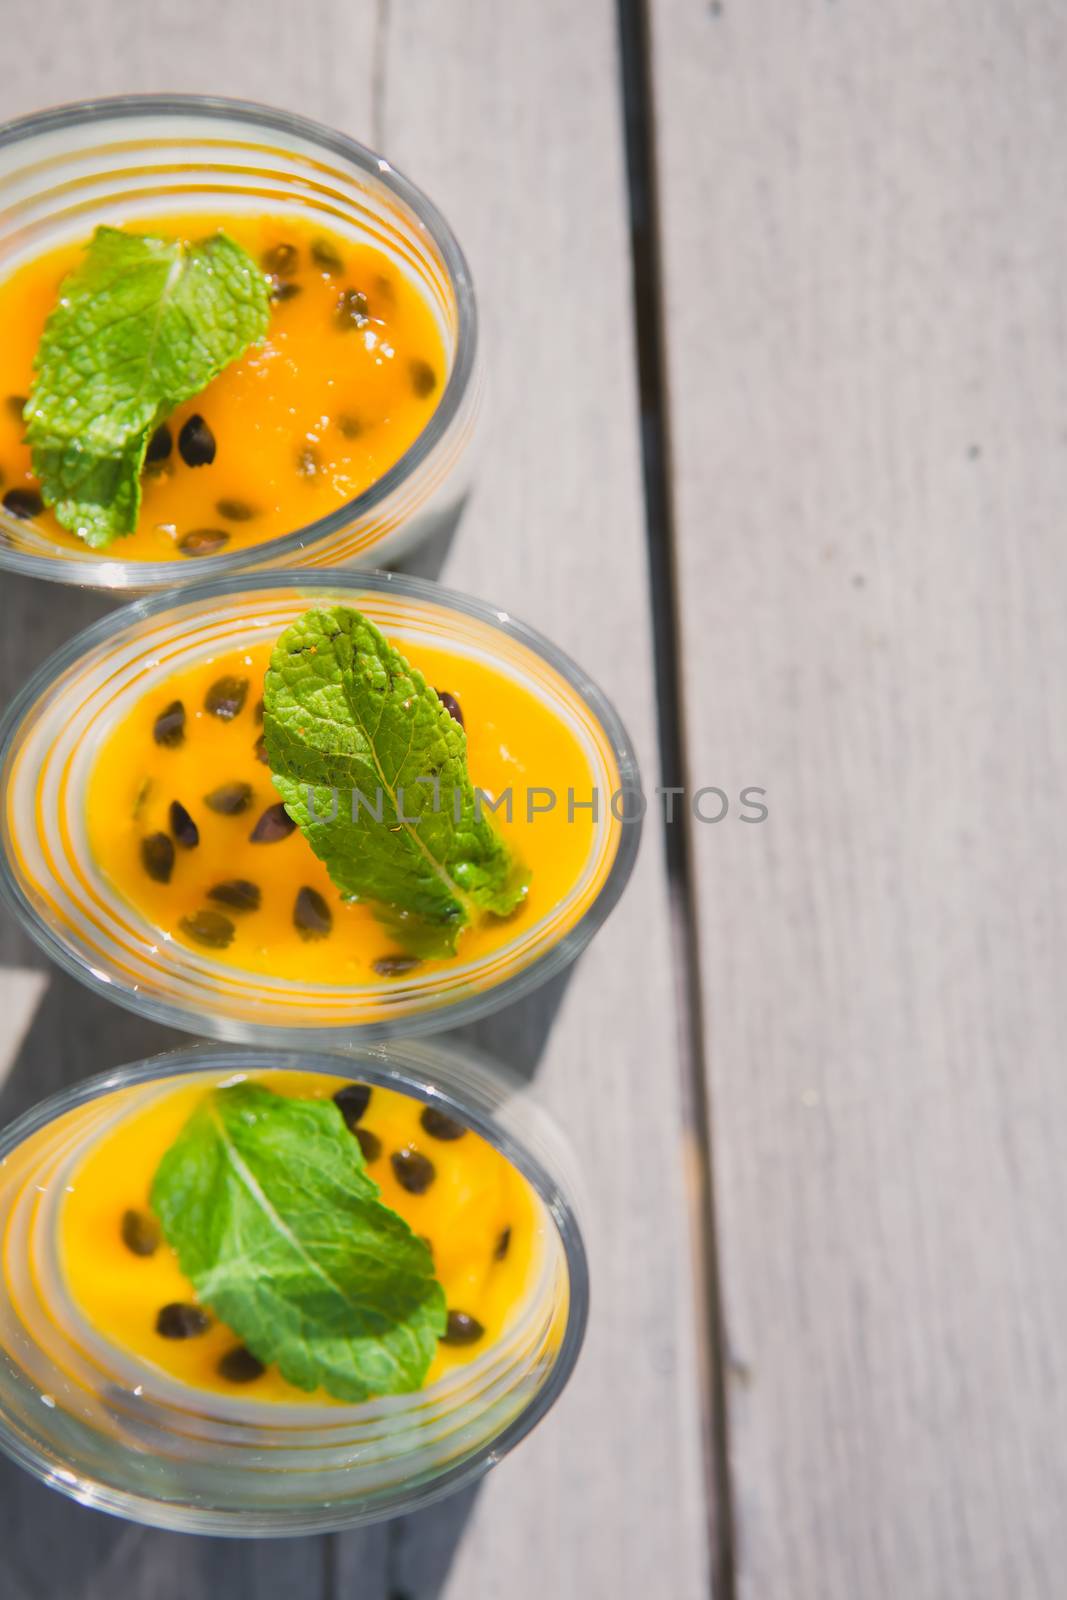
{"x":863,"y":229}
{"x":510,"y":118}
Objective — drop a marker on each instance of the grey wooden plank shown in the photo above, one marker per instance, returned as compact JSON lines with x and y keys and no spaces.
{"x":863,"y":231}
{"x":511,"y":118}
{"x":264,"y":51}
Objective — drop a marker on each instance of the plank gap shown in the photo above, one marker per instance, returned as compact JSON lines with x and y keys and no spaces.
{"x":648,"y":304}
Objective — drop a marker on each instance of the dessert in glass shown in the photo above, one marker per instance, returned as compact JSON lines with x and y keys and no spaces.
{"x":155,"y":846}
{"x":248,"y":1292}
{"x":330,"y":430}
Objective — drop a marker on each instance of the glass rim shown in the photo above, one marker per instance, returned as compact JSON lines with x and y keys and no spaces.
{"x":117,"y":574}
{"x":428,"y":1073}
{"x":547,"y":963}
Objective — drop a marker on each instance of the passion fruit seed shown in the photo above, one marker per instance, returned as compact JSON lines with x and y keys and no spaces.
{"x":369,"y":1143}
{"x":183,"y":827}
{"x":182,"y":1321}
{"x":327,"y":256}
{"x":236,"y":510}
{"x":413,"y":1171}
{"x":259,"y":750}
{"x":285,"y":290}
{"x":240,"y":1366}
{"x":160,"y":445}
{"x":351,"y":309}
{"x":502,"y":1245}
{"x":451,"y":705}
{"x":209,"y":928}
{"x":423,"y":378}
{"x":312,"y":917}
{"x":230,"y":799}
{"x":157,"y":857}
{"x":275,"y":824}
{"x":196,"y":443}
{"x":16,"y":404}
{"x":462,"y":1329}
{"x":352,"y":1101}
{"x":140,"y":1232}
{"x":349,"y":425}
{"x":226,"y":697}
{"x":257,"y":710}
{"x":281,"y":258}
{"x":203,"y":541}
{"x":23,"y":503}
{"x":237,"y":893}
{"x":169,"y":727}
{"x":438,"y":1126}
{"x":308,"y":462}
{"x":394,"y":966}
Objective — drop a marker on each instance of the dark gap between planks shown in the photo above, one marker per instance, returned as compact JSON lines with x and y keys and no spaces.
{"x":639,"y":130}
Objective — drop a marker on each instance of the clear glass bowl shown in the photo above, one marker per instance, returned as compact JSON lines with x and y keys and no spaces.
{"x":114,"y":1434}
{"x":114,"y":161}
{"x":48,"y":744}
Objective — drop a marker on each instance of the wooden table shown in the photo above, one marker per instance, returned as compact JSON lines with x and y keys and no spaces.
{"x":777,"y":447}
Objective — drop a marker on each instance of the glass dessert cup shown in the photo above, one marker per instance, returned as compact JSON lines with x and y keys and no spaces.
{"x":129,"y":162}
{"x":114,"y":1432}
{"x":56,"y":734}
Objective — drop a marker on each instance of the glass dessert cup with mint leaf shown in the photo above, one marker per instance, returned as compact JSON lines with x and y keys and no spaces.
{"x":300,"y":810}
{"x":229,"y":339}
{"x":419,"y":1299}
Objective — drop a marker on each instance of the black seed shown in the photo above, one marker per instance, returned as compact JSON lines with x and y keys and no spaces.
{"x":209,"y":928}
{"x":312,"y":917}
{"x":23,"y":503}
{"x":157,"y":857}
{"x":414,"y":1171}
{"x":196,"y":443}
{"x":142,"y":795}
{"x":229,"y":799}
{"x":349,"y":425}
{"x":327,"y":256}
{"x":369,"y":1143}
{"x":502,"y":1245}
{"x":352,"y":1101}
{"x":240,"y":1366}
{"x":16,"y":404}
{"x":351,"y":309}
{"x":462,"y":1329}
{"x":140,"y":1232}
{"x":275,"y":824}
{"x":257,"y":710}
{"x":236,"y":510}
{"x":169,"y":727}
{"x":237,"y":893}
{"x":281,"y":258}
{"x":203,"y":541}
{"x":260,"y":751}
{"x":307,"y":462}
{"x":285,"y":290}
{"x":438,"y":1126}
{"x":383,"y":288}
{"x":394,"y":966}
{"x":160,"y":445}
{"x":451,"y":705}
{"x":183,"y":827}
{"x":423,"y":378}
{"x":178,"y":1321}
{"x":226,"y":698}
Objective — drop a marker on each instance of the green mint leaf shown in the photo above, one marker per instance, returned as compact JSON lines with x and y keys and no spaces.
{"x":352,"y":728}
{"x":141,"y":325}
{"x":278,"y":1225}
